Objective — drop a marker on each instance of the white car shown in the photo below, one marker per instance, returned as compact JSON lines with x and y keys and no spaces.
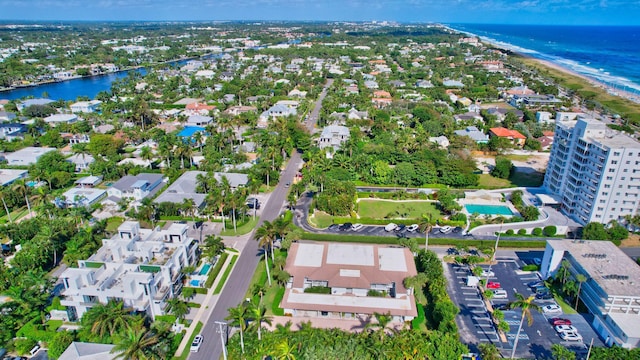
{"x":565,"y":328}
{"x":570,"y":336}
{"x":499,"y":294}
{"x":197,"y":342}
{"x":445,"y":229}
{"x":390,"y":227}
{"x":356,"y":227}
{"x":552,"y":309}
{"x":412,"y":228}
{"x":487,"y":273}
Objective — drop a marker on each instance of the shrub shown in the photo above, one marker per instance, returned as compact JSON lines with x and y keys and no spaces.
{"x":522,"y":232}
{"x":23,"y":346}
{"x":510,"y":232}
{"x":549,"y":230}
{"x":376,"y":293}
{"x":531,"y":267}
{"x":458,"y":217}
{"x":536,"y":232}
{"x":318,"y":290}
{"x":166,"y":318}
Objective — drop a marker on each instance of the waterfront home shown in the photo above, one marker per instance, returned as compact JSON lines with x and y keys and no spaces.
{"x":56,"y":119}
{"x":30,"y":102}
{"x":85,"y":106}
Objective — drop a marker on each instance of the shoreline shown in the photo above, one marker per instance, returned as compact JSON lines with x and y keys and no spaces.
{"x":608,"y":89}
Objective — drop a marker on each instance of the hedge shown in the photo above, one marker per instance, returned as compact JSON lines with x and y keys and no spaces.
{"x":390,"y":240}
{"x":318,"y":290}
{"x":227,"y":271}
{"x":216,"y":269}
{"x":198,"y":290}
{"x":166,"y":318}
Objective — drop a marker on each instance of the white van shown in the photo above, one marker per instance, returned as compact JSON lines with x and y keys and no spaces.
{"x":499,"y":294}
{"x":390,"y":227}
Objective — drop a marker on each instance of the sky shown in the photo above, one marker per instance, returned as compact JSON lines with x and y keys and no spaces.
{"x":559,"y":12}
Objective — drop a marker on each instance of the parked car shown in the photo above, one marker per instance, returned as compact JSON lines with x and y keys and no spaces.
{"x":445,"y":229}
{"x":535,"y":284}
{"x":552,"y":309}
{"x":333,"y":226}
{"x":197,"y":342}
{"x":253,"y":203}
{"x":356,"y":227}
{"x":540,"y":290}
{"x":560,"y":321}
{"x":390,"y":227}
{"x":457,"y":229}
{"x":345,"y":226}
{"x":501,"y":307}
{"x":412,"y":227}
{"x":287,"y":185}
{"x":544,"y":296}
{"x":500,"y":294}
{"x":400,"y":228}
{"x":565,"y":328}
{"x":493,"y":285}
{"x":487,"y":273}
{"x":570,"y":336}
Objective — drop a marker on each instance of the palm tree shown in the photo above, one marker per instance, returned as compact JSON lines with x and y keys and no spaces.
{"x":259,"y":315}
{"x":417,"y":283}
{"x":284,"y":351}
{"x":239,"y":316}
{"x":110,"y":318}
{"x":266,"y":235}
{"x":21,"y":188}
{"x":564,"y":270}
{"x":580,"y":278}
{"x":213,"y":246}
{"x":526,"y":305}
{"x":178,"y":308}
{"x":136,"y":344}
{"x":425,"y":225}
{"x":382,"y":320}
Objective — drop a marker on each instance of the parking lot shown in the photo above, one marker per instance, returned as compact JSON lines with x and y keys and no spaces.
{"x":379,"y":230}
{"x":535,"y":340}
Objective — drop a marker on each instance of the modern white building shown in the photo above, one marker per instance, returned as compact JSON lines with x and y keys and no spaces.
{"x":140,"y":267}
{"x":611,"y":292}
{"x":136,"y":187}
{"x":361,"y":280}
{"x":85,"y":106}
{"x":594,"y":171}
{"x":333,"y":136}
{"x":80,"y":197}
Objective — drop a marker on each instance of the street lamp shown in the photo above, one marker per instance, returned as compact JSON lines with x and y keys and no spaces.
{"x":222,"y":331}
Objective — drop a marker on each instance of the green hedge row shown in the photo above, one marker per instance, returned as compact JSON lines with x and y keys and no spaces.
{"x":198,"y":290}
{"x":225,"y":275}
{"x":216,"y":269}
{"x":432,"y":241}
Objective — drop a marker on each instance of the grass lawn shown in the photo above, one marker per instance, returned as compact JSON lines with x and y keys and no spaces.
{"x":514,"y":157}
{"x":377,"y":209}
{"x":15,"y":215}
{"x":486,"y":181}
{"x":527,"y":179}
{"x":225,"y":275}
{"x":113,"y":223}
{"x":320,"y":219}
{"x":244,"y":229}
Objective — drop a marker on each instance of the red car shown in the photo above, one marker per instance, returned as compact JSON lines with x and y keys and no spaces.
{"x":560,"y":321}
{"x":493,"y":285}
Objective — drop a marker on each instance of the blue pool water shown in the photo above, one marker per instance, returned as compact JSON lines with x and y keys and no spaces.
{"x":32,"y":183}
{"x":205,"y":269}
{"x":188,"y":131}
{"x":195,"y":283}
{"x":488,"y":209}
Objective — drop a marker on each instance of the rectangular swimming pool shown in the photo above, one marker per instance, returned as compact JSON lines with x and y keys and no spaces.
{"x":488,"y":209}
{"x":205,"y":269}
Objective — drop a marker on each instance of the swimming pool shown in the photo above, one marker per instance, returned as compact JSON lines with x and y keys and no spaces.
{"x":205,"y":269}
{"x":31,"y":183}
{"x":188,"y":131}
{"x":488,"y":209}
{"x":195,"y":283}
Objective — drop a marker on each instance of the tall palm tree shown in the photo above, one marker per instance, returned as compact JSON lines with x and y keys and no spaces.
{"x":266,"y":235}
{"x":259,"y":315}
{"x":526,"y":305}
{"x":580,"y":278}
{"x":21,"y":188}
{"x":137,"y":344}
{"x":111,"y":318}
{"x":239,"y":316}
{"x":178,"y":308}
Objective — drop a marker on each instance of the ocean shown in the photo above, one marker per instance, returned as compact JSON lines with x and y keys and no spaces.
{"x":608,"y":54}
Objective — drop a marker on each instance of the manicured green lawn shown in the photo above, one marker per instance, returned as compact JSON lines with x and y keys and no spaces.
{"x":15,"y":215}
{"x":113,"y":223}
{"x":486,"y":181}
{"x":527,"y":179}
{"x":244,"y":229}
{"x":377,"y":209}
{"x":321,"y":219}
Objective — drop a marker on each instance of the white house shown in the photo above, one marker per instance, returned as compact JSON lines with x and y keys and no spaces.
{"x":86,"y":106}
{"x":26,"y":156}
{"x":333,"y":136}
{"x":136,"y":187}
{"x":56,"y":119}
{"x":140,"y":267}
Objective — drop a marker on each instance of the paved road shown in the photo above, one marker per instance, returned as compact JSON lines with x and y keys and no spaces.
{"x":250,"y":255}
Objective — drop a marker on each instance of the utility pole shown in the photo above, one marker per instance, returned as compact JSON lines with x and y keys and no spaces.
{"x":222,"y":331}
{"x":590,"y":346}
{"x":495,"y":250}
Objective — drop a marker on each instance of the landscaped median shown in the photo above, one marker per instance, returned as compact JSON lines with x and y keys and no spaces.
{"x":536,"y":244}
{"x":225,"y":275}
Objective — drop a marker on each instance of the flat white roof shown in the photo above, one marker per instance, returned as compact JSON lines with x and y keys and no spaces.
{"x":628,"y":323}
{"x":350,"y":254}
{"x":8,"y":176}
{"x":309,"y":255}
{"x":351,"y":301}
{"x":392,"y":259}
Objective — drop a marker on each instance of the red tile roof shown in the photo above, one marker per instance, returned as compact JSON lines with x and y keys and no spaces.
{"x":503,"y":132}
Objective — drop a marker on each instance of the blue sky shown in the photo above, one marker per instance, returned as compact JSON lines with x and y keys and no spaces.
{"x":569,"y":12}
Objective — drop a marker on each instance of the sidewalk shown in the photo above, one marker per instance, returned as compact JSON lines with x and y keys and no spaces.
{"x":206,"y":307}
